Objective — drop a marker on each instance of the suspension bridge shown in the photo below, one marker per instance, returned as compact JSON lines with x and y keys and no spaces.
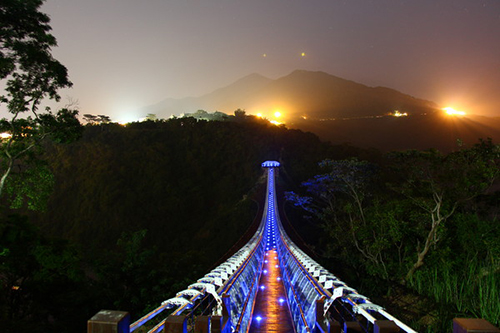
{"x":268,"y":285}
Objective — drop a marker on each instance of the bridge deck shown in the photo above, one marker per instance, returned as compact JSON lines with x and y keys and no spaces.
{"x":271,"y":312}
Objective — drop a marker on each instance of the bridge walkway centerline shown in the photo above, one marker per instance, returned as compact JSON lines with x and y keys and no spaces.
{"x":271,"y":310}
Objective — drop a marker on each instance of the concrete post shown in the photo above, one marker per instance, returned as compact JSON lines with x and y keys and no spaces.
{"x":216,"y":324}
{"x":468,"y":325}
{"x":386,"y":326}
{"x":226,"y":313}
{"x":202,"y":324}
{"x":108,"y":321}
{"x":176,"y":324}
{"x":352,"y":327}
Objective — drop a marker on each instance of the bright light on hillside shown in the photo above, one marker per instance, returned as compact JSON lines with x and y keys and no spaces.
{"x":277,"y":114}
{"x":5,"y":135}
{"x":452,"y":112}
{"x":399,"y":114}
{"x":274,"y":122}
{"x":259,"y":115}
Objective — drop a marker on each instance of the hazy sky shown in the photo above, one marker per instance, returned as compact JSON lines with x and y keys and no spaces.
{"x":126,"y":54}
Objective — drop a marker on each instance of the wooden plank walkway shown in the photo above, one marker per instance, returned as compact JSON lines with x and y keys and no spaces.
{"x":271,"y":312}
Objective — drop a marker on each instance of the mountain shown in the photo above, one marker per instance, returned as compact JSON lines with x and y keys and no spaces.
{"x":341,"y":111}
{"x":226,"y":99}
{"x":301,"y":93}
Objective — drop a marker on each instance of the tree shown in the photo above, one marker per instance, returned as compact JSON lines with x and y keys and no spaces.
{"x":239,"y":113}
{"x":31,"y":74}
{"x":25,"y":57}
{"x":92,"y":119}
{"x":438,"y":184}
{"x":394,"y":225}
{"x":151,"y":117}
{"x":340,"y":200}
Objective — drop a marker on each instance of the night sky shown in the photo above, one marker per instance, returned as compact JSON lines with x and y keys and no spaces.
{"x":126,"y":54}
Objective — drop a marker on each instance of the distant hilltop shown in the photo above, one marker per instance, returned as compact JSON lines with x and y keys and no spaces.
{"x":315,"y":95}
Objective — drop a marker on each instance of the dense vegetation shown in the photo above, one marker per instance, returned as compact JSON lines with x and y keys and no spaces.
{"x":137,"y":213}
{"x":126,"y":216}
{"x":418,"y":221}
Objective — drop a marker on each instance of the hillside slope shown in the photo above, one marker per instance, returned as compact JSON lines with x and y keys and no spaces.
{"x":301,"y":93}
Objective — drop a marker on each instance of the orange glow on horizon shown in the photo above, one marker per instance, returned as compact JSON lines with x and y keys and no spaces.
{"x":452,"y":112}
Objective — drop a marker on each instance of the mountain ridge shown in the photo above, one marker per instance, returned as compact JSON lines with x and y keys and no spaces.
{"x":301,"y":93}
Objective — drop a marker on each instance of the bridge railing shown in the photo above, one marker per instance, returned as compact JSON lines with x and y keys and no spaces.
{"x":223,"y":298}
{"x":233,"y":285}
{"x":306,"y":282}
{"x":310,"y":282}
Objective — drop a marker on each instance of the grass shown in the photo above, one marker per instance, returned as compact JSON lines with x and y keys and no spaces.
{"x":473,"y":291}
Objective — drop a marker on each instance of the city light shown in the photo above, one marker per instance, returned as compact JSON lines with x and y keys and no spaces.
{"x":399,"y":114}
{"x":452,"y":112}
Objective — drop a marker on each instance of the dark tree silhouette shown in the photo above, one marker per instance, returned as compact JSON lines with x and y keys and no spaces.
{"x":31,"y":74}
